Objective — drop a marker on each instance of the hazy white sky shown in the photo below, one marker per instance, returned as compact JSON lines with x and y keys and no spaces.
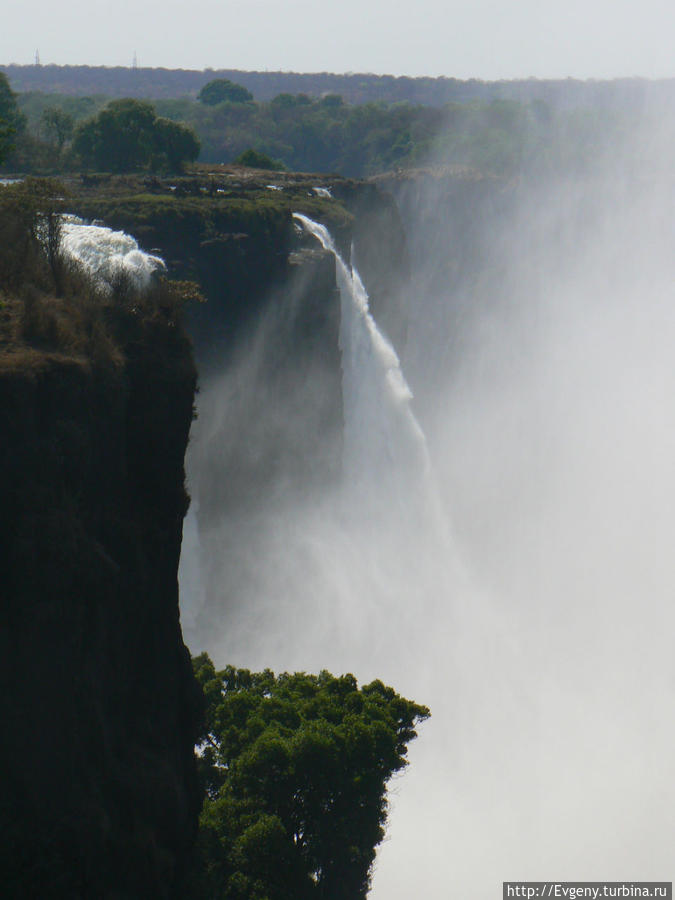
{"x":472,"y":38}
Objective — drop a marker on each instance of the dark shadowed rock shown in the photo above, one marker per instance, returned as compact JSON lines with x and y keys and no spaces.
{"x":97,"y":699}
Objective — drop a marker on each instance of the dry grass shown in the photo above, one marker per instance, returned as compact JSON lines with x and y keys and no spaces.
{"x":38,"y":329}
{"x":52,"y":309}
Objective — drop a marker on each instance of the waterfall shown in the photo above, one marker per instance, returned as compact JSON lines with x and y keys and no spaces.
{"x":543,"y":380}
{"x":107,"y":254}
{"x":385,"y":452}
{"x":376,"y":544}
{"x":360,"y":576}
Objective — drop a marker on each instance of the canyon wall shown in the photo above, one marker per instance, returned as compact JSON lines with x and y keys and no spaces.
{"x":98,"y":703}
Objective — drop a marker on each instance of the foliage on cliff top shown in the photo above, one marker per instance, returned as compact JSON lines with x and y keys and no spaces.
{"x":295,"y":769}
{"x":227,"y":200}
{"x":50,"y":308}
{"x":256,"y":160}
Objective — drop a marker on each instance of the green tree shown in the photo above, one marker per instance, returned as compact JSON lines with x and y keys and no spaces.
{"x":127,"y":136}
{"x":175,"y":144}
{"x":58,"y":126}
{"x":332,"y":101}
{"x":30,"y":235}
{"x":119,"y":138}
{"x":11,"y":120}
{"x":256,"y":160}
{"x":221,"y":90}
{"x":295,"y":769}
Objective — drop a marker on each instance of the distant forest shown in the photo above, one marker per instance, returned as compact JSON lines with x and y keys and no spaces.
{"x":354,"y":88}
{"x":353,"y":125}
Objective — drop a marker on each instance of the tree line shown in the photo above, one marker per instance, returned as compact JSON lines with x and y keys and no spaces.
{"x":55,"y":133}
{"x":356,"y":88}
{"x":124,"y":136}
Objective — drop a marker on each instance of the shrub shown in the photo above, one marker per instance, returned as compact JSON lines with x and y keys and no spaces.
{"x":256,"y":160}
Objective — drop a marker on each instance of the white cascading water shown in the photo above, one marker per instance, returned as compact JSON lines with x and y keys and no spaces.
{"x":321,"y":558}
{"x":382,"y":438}
{"x":107,"y":254}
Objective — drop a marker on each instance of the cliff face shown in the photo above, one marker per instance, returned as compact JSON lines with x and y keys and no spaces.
{"x":98,"y":703}
{"x":97,"y":699}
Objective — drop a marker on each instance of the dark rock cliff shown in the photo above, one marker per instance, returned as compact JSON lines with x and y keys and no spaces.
{"x":97,"y":700}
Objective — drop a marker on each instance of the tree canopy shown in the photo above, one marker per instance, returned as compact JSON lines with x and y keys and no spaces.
{"x":11,"y":120}
{"x":295,"y":769}
{"x":222,"y":90}
{"x":127,"y":136}
{"x":58,"y":126}
{"x":255,"y":160}
{"x":328,"y":134}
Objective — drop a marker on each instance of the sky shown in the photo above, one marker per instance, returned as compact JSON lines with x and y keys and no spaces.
{"x":486,"y":39}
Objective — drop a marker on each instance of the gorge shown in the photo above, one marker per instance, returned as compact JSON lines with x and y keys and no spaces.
{"x":533,"y":323}
{"x":508,"y":564}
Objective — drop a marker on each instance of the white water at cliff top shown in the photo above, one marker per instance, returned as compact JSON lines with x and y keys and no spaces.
{"x":107,"y":254}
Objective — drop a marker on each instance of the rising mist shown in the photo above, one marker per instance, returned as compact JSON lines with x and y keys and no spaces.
{"x":534,"y":614}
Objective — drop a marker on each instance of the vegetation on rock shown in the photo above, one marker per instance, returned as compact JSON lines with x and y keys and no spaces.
{"x":255,"y":160}
{"x":50,"y":304}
